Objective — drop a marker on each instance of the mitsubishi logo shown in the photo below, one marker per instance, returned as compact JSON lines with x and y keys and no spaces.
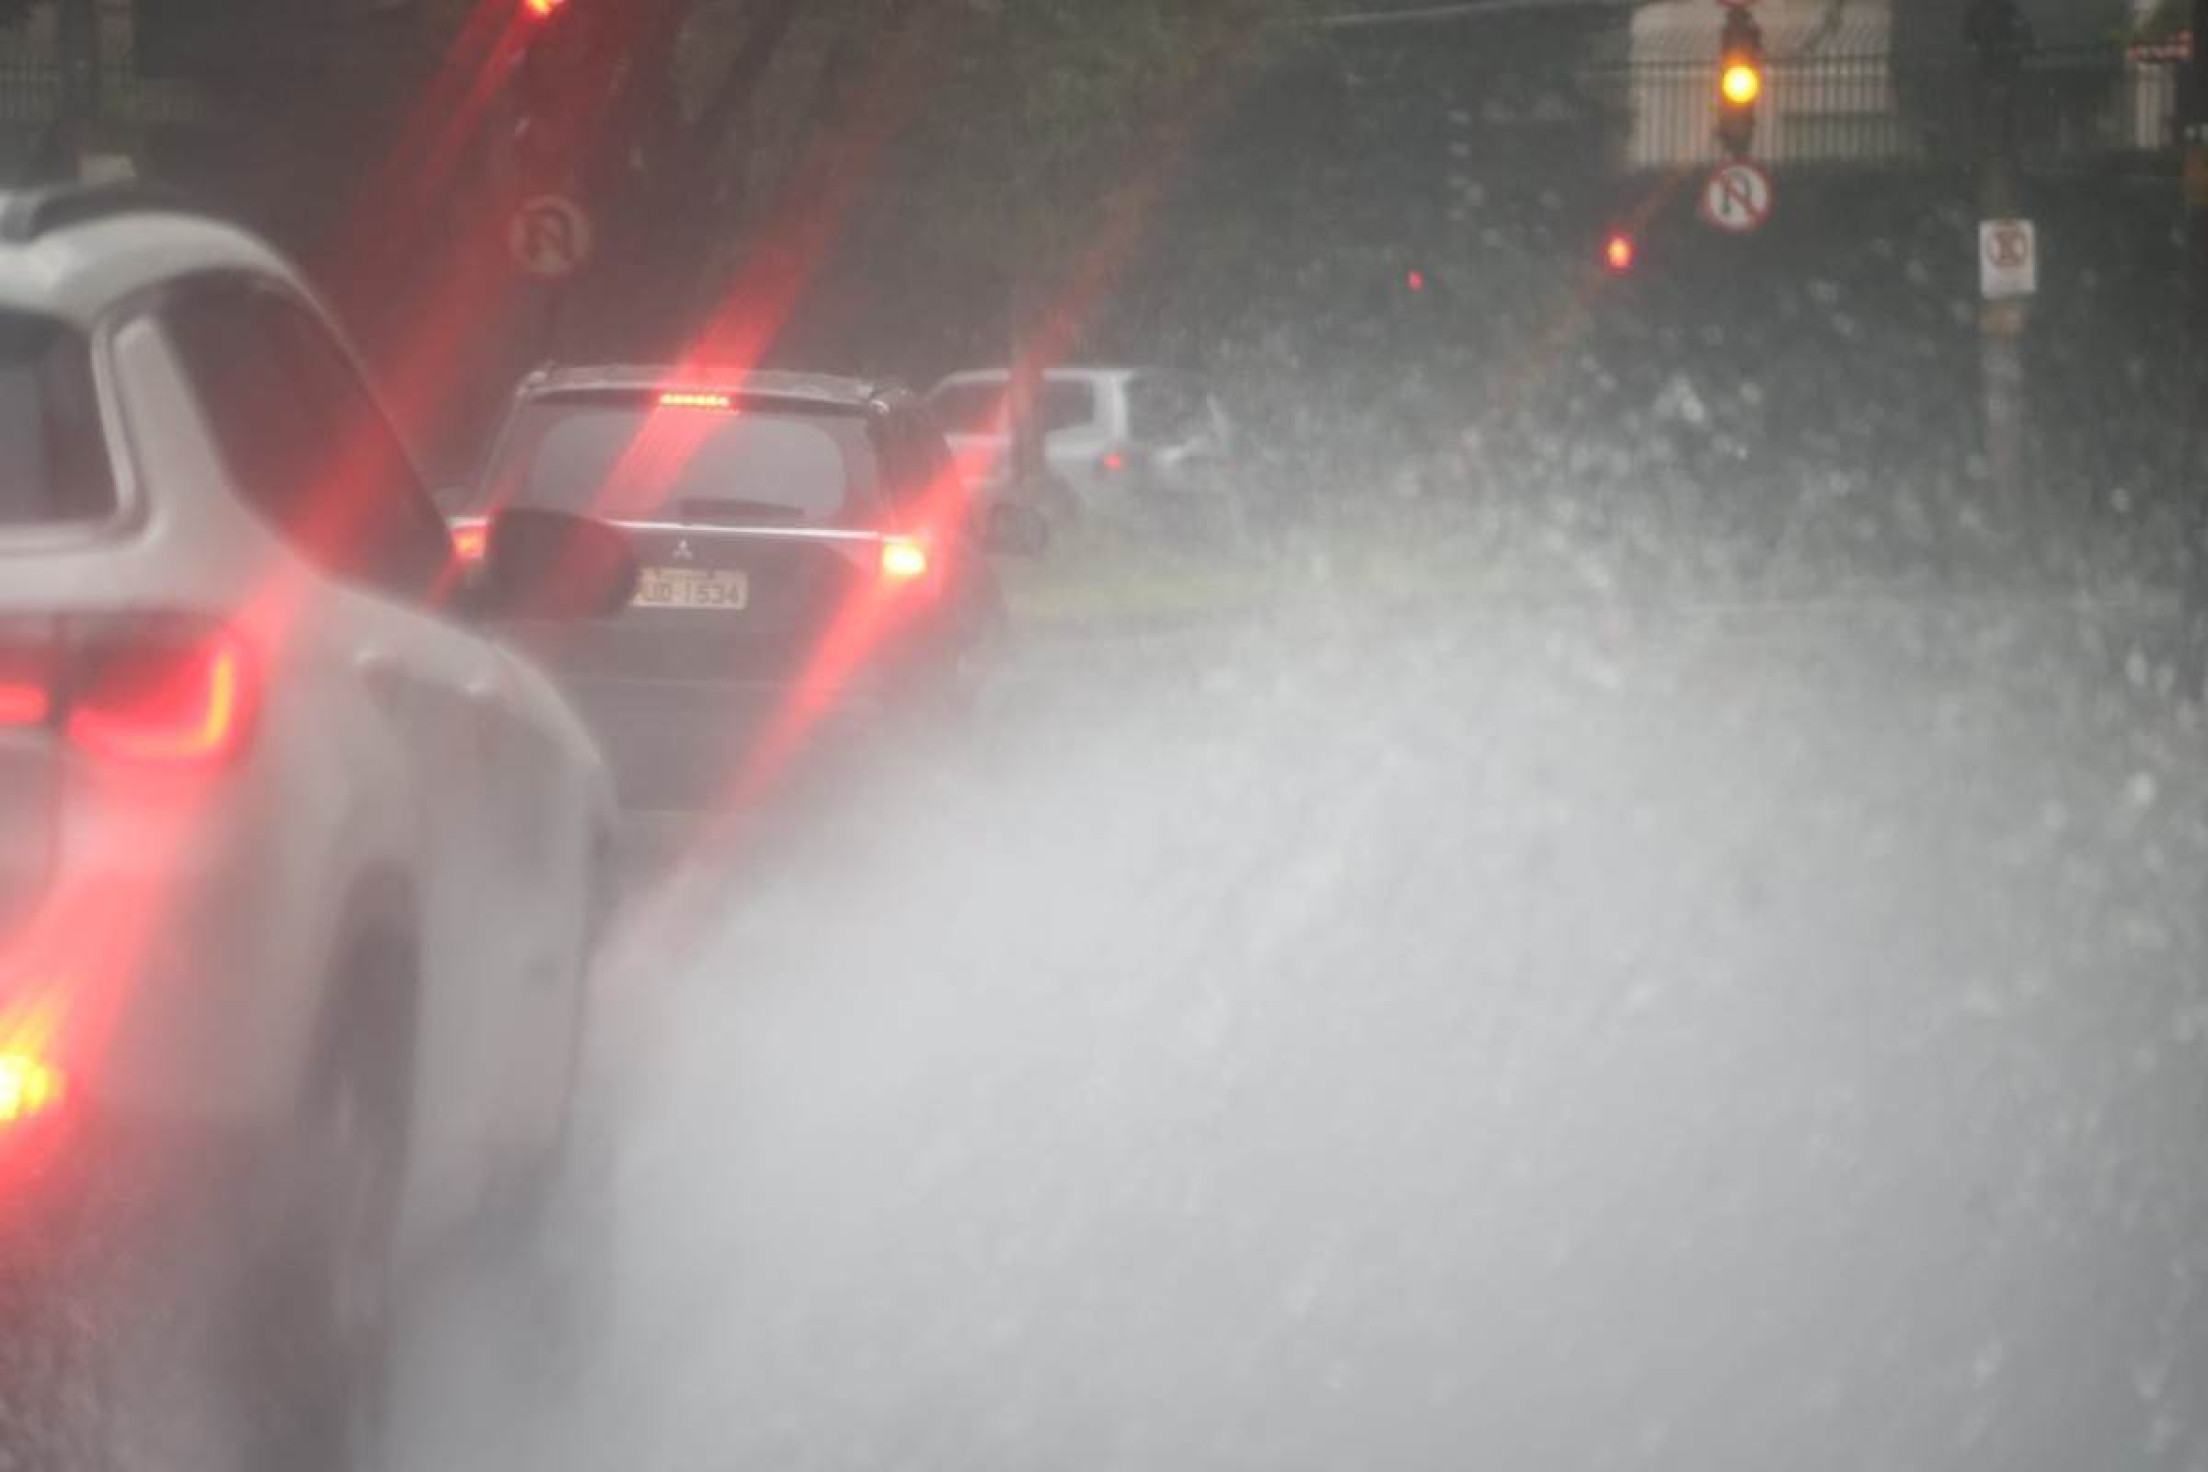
{"x":683,"y":552}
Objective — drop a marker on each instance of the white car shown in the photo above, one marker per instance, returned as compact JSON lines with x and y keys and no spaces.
{"x":1119,"y":440}
{"x":299,"y":873}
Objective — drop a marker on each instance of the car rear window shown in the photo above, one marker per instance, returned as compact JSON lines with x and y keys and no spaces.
{"x":640,"y":461}
{"x":976,"y":407}
{"x":53,"y":457}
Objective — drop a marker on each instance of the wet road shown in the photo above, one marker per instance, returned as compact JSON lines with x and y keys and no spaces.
{"x":1770,"y":1038}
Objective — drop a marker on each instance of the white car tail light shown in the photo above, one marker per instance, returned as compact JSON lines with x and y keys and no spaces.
{"x":30,"y":1085}
{"x":138,"y":690}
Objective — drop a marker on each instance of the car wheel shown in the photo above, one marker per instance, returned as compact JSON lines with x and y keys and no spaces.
{"x":319,"y":1336}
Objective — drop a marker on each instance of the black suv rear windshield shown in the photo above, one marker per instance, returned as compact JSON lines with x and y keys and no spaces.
{"x":53,"y":459}
{"x":630,"y":461}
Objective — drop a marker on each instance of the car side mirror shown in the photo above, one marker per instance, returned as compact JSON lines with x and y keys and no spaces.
{"x":548,"y":565}
{"x":1016,"y":531}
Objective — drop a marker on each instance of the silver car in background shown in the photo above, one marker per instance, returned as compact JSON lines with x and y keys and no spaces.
{"x":1123,"y":444}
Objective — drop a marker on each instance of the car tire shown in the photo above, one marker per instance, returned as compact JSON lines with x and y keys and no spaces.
{"x":318,"y":1322}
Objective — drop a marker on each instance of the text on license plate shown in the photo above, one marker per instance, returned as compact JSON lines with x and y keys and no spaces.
{"x":693,"y":587}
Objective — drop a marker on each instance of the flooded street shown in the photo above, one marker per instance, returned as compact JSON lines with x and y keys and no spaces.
{"x":1709,"y":1039}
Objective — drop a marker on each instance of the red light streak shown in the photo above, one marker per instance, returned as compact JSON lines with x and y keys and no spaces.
{"x":780,"y":266}
{"x":871,"y":616}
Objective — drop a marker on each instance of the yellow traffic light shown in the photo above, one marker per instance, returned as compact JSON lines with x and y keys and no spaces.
{"x":1742,"y":83}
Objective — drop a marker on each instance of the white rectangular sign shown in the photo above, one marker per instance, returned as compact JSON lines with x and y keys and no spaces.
{"x":2008,"y":259}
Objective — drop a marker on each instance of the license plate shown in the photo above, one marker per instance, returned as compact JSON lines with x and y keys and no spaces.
{"x":693,"y":587}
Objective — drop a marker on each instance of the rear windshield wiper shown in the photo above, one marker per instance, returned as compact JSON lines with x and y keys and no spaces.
{"x":738,"y":512}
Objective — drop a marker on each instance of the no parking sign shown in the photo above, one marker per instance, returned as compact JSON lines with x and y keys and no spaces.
{"x":1737,"y":199}
{"x":551,"y":237}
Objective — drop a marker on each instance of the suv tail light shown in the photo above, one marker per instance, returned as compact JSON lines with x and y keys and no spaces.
{"x":148,"y":691}
{"x":471,"y":540}
{"x":904,"y":560}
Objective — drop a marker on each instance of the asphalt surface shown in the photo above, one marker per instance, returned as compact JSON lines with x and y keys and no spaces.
{"x":1584,"y":1038}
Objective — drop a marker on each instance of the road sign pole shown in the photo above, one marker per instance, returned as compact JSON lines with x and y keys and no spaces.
{"x":2192,"y":468}
{"x":2196,"y":163}
{"x":555,"y":306}
{"x":2195,"y":89}
{"x":1997,"y":30}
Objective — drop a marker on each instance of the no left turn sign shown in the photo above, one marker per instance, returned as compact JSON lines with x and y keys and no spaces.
{"x":1737,"y":199}
{"x":551,"y":237}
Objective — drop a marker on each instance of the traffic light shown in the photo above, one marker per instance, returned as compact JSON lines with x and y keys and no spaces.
{"x":1740,"y":78}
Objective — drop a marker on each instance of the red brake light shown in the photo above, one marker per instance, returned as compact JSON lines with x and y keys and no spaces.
{"x":147,"y":698}
{"x":1113,"y":462}
{"x":471,"y":540}
{"x":29,"y":1086}
{"x":903,"y":560}
{"x":1619,"y":253}
{"x":696,"y":401}
{"x":543,"y":9}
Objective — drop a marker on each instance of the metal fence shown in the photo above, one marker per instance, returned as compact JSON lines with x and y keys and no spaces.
{"x":1870,"y":109}
{"x":30,"y":88}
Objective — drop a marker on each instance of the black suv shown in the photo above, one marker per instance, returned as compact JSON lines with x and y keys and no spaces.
{"x":803,"y":548}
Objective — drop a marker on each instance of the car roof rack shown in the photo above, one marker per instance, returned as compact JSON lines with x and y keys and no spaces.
{"x":33,"y":214}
